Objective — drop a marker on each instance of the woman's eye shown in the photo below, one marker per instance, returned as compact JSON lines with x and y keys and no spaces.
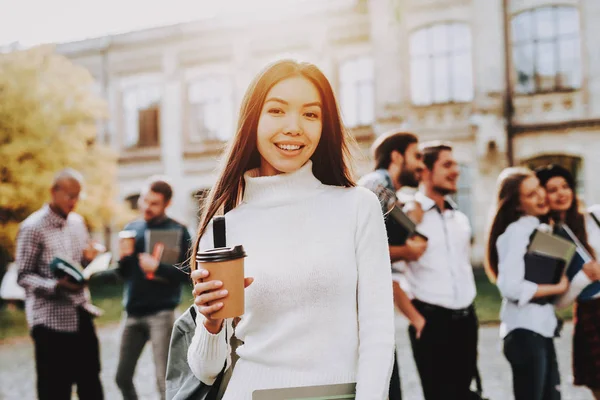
{"x":275,"y":111}
{"x":312,"y":115}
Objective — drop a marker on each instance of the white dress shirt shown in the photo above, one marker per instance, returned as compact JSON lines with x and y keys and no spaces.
{"x":443,"y":276}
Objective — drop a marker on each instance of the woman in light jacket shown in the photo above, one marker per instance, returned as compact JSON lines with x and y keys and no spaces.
{"x":527,"y":328}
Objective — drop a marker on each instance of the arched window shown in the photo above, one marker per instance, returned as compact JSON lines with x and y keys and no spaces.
{"x":573,"y":164}
{"x":546,"y":49}
{"x":441,"y":67}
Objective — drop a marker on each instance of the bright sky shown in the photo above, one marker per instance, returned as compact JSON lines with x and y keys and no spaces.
{"x":31,"y":22}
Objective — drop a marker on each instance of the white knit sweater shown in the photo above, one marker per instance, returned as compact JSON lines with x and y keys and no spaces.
{"x":320,"y":309}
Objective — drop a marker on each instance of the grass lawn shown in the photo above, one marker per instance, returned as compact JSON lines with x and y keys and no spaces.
{"x":108,"y":296}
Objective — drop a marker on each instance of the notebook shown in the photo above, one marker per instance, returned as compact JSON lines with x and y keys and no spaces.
{"x":323,"y":392}
{"x":168,"y":241}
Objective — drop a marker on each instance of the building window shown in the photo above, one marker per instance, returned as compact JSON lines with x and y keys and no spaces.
{"x":210,"y":110}
{"x":462,"y":197}
{"x":573,"y":164}
{"x":142,"y":117}
{"x":133,"y":201}
{"x":441,"y":68}
{"x":357,"y":92}
{"x":546,"y":49}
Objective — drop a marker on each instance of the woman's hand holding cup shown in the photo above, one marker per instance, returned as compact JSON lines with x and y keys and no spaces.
{"x":209,"y":296}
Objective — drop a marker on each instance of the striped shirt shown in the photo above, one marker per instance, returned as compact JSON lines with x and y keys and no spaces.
{"x":43,"y":236}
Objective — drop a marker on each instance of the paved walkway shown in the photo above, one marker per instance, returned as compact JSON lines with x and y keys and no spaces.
{"x":17,"y":374}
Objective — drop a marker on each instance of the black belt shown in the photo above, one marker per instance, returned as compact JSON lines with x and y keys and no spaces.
{"x":454,"y":313}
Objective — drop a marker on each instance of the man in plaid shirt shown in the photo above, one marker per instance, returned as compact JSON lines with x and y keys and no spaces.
{"x":59,"y":312}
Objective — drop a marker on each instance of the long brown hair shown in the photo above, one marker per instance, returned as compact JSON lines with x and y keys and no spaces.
{"x":507,"y":212}
{"x":330,"y":159}
{"x":574,"y":218}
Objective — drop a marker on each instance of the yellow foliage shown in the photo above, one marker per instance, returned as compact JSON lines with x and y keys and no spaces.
{"x":49,"y":115}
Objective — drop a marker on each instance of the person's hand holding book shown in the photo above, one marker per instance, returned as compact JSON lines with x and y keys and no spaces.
{"x":415,"y":246}
{"x":92,"y":250}
{"x":66,"y":284}
{"x":592,"y":270}
{"x":148,"y":264}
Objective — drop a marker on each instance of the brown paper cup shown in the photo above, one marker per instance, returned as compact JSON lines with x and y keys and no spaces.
{"x":231,"y":273}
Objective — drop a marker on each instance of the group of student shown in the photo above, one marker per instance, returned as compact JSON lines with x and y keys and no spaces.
{"x":320,"y":295}
{"x":320,"y":303}
{"x":325,"y":266}
{"x":525,"y":200}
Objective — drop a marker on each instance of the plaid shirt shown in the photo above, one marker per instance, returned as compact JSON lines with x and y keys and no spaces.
{"x":380,"y":183}
{"x":43,"y":236}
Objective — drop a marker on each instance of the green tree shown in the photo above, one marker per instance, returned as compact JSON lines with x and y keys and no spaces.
{"x":49,"y":116}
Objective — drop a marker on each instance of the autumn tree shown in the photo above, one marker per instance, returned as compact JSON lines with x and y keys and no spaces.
{"x":49,"y":115}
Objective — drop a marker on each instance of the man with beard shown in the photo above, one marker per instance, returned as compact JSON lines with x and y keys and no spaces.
{"x":398,"y":163}
{"x":152,"y":289}
{"x":442,"y":284}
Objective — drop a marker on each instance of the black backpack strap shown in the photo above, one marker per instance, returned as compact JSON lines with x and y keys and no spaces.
{"x":595,"y":219}
{"x":478,"y":384}
{"x":219,"y":236}
{"x":193,"y":313}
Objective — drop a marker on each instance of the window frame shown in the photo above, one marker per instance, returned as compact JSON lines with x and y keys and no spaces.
{"x":555,"y":42}
{"x":450,"y":54}
{"x":357,"y":86}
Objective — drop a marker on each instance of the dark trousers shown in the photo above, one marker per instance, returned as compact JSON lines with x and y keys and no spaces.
{"x":532,"y":359}
{"x":395,"y":392}
{"x":446,"y":352}
{"x":64,"y":358}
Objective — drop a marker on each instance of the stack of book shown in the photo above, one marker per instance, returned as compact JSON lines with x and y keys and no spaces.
{"x":546,"y":259}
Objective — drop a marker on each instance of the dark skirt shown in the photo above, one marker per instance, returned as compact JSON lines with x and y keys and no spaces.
{"x":586,"y":344}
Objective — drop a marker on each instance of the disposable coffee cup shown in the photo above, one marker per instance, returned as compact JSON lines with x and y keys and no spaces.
{"x":127,"y":242}
{"x":226,"y":264}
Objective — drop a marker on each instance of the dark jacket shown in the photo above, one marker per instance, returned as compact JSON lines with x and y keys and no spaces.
{"x":145,"y":296}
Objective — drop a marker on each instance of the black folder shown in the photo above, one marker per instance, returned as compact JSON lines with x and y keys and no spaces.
{"x":400,"y":227}
{"x":543,"y":270}
{"x":546,"y":259}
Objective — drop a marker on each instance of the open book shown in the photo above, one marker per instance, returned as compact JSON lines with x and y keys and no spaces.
{"x":61,"y":267}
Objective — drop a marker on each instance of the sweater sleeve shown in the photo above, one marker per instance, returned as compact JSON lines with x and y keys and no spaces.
{"x":512,"y":246}
{"x":208,"y":353}
{"x":375,"y":301}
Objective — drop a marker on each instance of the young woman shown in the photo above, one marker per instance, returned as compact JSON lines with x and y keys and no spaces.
{"x":319,"y":310}
{"x":564,"y":208}
{"x":527,"y":327}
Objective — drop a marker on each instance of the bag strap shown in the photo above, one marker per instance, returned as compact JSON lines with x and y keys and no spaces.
{"x":595,"y":218}
{"x":219,"y":234}
{"x":478,"y":382}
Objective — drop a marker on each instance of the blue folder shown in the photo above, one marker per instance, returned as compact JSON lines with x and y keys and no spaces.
{"x":579,"y":259}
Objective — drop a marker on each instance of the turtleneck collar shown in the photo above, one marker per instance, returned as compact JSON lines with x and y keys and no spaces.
{"x":281,"y":188}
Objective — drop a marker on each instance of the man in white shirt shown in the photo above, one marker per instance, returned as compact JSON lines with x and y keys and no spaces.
{"x":442,"y":284}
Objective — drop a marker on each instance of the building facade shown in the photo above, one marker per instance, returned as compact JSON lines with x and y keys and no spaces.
{"x":435,"y":67}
